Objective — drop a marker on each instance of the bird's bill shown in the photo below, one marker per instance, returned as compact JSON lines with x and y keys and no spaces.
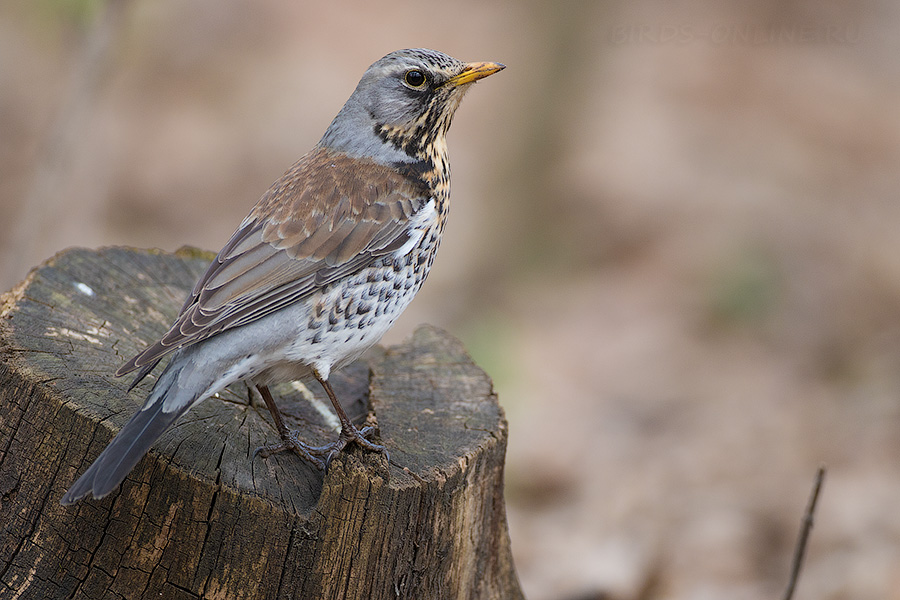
{"x":473,"y":72}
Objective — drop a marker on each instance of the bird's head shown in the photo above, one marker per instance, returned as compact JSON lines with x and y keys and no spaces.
{"x":403,"y":105}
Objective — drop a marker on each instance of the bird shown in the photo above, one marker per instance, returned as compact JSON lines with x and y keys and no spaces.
{"x":319,"y":269}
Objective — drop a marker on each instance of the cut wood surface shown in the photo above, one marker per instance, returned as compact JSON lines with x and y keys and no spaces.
{"x":199,"y":517}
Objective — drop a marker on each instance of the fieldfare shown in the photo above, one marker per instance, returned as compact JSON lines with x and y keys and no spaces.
{"x":321,"y":267}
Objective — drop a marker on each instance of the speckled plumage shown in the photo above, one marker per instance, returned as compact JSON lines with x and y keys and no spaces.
{"x":319,"y":270}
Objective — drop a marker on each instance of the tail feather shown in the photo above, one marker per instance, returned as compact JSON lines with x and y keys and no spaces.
{"x":123,"y":453}
{"x":187,"y":379}
{"x":145,"y":370}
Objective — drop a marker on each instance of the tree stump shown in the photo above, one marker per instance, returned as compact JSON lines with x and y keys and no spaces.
{"x":198,"y":517}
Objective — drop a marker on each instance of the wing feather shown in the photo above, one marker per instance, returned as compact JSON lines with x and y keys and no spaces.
{"x":328,"y":217}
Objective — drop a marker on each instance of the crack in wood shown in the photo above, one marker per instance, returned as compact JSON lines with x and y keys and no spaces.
{"x":197,"y":517}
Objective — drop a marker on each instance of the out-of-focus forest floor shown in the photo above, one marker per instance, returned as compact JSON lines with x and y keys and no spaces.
{"x":674,"y":243}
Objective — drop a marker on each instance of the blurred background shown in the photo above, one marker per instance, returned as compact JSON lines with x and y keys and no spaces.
{"x":674,"y":245}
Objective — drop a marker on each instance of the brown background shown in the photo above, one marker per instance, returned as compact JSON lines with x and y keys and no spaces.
{"x":674,"y":244}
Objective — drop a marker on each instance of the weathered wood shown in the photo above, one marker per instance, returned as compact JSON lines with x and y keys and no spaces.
{"x":197,"y":518}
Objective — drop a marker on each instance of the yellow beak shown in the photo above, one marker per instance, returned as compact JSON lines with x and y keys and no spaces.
{"x":473,"y":72}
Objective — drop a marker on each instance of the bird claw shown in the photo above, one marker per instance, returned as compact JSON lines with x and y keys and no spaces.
{"x":290,"y":441}
{"x":321,"y":456}
{"x":358,"y":436}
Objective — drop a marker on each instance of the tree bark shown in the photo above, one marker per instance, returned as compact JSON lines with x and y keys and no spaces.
{"x":198,"y":517}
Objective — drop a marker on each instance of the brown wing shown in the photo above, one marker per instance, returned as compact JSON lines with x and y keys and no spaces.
{"x":327,"y":217}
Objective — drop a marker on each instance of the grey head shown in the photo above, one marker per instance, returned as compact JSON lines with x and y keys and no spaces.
{"x":402,"y":107}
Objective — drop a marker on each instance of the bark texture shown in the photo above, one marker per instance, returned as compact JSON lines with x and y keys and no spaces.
{"x":198,"y":518}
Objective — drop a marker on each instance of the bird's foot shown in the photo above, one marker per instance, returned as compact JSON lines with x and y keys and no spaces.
{"x":290,"y":441}
{"x":354,"y":435}
{"x":321,"y":456}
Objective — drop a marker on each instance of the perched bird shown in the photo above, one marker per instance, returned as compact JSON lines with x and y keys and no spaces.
{"x":321,"y":267}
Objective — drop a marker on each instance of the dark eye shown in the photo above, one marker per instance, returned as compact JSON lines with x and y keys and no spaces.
{"x":414,"y":78}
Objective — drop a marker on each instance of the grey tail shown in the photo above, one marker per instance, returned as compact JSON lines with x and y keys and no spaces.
{"x":124,"y":452}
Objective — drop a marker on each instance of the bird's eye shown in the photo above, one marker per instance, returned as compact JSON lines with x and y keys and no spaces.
{"x":414,"y":78}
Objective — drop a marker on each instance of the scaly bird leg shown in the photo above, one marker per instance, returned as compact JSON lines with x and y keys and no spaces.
{"x":290,"y":440}
{"x":349,"y":432}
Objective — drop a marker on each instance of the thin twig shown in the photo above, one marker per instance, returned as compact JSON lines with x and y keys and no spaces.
{"x":805,"y":527}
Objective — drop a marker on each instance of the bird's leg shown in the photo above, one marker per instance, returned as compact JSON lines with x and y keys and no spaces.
{"x":349,"y":432}
{"x":289,"y":439}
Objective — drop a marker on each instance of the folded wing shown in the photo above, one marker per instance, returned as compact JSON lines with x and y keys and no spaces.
{"x":323,"y":220}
